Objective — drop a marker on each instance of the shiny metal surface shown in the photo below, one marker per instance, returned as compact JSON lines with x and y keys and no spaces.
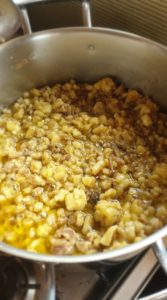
{"x":135,"y":281}
{"x":87,"y":21}
{"x":29,"y":2}
{"x":45,"y":274}
{"x":162,"y":295}
{"x":136,"y":285}
{"x":86,"y":55}
{"x":9,"y":19}
{"x":40,"y":281}
{"x":161,"y":253}
{"x":25,"y":22}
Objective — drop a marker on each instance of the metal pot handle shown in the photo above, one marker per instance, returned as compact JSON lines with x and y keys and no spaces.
{"x":25,"y":21}
{"x":161,"y":253}
{"x":26,"y":26}
{"x":86,"y":12}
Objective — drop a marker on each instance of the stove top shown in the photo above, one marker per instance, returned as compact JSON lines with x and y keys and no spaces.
{"x":137,"y":278}
{"x":22,"y":279}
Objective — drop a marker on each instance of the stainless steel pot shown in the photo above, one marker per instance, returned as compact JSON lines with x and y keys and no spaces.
{"x":86,"y":54}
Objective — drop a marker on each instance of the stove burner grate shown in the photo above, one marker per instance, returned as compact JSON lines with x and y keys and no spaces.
{"x":14,"y":279}
{"x":22,"y":279}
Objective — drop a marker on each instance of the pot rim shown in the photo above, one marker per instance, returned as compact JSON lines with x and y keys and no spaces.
{"x":100,"y":30}
{"x":108,"y":255}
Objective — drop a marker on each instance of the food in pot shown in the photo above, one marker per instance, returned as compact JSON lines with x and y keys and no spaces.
{"x":83,"y":168}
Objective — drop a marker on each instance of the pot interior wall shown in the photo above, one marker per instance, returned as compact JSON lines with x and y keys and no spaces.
{"x":59,"y":55}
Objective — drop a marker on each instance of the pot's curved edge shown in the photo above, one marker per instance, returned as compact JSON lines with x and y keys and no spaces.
{"x":101,"y":30}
